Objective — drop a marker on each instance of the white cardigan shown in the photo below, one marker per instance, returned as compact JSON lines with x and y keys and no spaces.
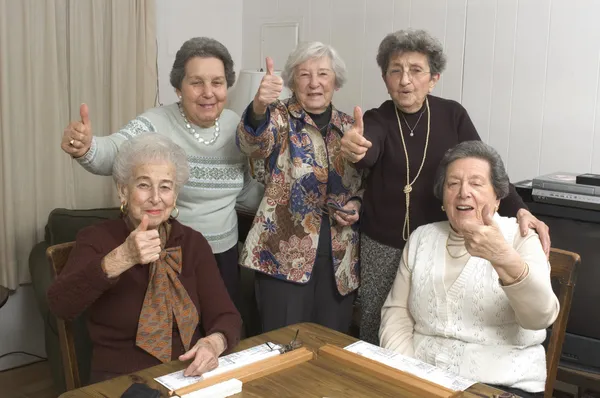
{"x":454,"y":314}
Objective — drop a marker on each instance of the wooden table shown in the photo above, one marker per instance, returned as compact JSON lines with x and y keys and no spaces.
{"x":318,"y":378}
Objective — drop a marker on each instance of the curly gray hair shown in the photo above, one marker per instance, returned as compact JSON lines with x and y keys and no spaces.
{"x":203,"y":47}
{"x":473,"y":149}
{"x":412,"y":41}
{"x":310,"y":50}
{"x":150,"y":148}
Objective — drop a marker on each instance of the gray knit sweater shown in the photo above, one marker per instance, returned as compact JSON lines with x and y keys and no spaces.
{"x":219,"y":178}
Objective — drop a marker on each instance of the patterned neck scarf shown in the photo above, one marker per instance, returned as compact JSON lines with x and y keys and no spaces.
{"x":165,"y":298}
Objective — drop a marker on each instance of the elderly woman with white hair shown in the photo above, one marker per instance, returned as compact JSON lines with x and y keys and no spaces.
{"x":304,"y":240}
{"x":472,"y":295}
{"x":151,"y":284}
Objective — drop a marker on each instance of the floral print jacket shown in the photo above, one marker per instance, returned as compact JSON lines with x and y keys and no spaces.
{"x":305,"y":170}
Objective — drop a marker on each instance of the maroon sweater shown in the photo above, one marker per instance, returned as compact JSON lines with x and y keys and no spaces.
{"x":115,"y":304}
{"x":384,"y":202}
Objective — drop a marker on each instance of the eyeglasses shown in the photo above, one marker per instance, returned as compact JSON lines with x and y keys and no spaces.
{"x":412,"y":73}
{"x":292,"y":345}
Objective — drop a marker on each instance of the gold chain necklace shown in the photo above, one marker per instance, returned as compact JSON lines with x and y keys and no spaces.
{"x":450,"y":254}
{"x":408,"y":186}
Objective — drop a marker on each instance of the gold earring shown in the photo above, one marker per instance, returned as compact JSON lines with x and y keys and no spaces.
{"x":443,"y":209}
{"x":174,"y":217}
{"x":123,"y":208}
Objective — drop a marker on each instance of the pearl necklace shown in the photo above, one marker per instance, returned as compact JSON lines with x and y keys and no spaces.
{"x":196,"y":135}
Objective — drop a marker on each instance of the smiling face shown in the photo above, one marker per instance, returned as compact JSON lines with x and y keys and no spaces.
{"x":203,"y":90}
{"x":151,"y":192}
{"x":408,"y":80}
{"x":467,"y":189}
{"x":314,"y":84}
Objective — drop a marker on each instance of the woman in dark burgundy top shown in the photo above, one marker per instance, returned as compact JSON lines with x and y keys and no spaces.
{"x":402,"y":144}
{"x":151,"y":284}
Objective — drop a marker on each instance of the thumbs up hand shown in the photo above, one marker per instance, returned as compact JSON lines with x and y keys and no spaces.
{"x":484,"y":239}
{"x":142,"y":246}
{"x":354,"y":144}
{"x":269,"y":90}
{"x":77,"y":136}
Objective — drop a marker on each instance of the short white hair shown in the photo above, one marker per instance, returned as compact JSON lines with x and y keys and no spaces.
{"x":313,"y":50}
{"x":150,"y":148}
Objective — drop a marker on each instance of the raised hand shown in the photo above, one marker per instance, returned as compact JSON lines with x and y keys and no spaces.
{"x":77,"y":136}
{"x":269,"y":90}
{"x":486,"y":241}
{"x":354,"y":144}
{"x":142,"y":246}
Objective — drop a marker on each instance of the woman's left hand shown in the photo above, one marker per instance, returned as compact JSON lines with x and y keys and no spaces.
{"x":205,"y":354}
{"x":348,"y":219}
{"x":527,"y":220}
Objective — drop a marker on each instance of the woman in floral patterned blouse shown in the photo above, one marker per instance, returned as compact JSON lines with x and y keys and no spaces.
{"x":304,"y":240}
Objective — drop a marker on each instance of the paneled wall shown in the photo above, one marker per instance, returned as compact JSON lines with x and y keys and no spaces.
{"x":527,"y":71}
{"x":177,"y":21}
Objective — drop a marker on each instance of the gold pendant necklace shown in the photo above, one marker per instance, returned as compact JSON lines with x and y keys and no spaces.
{"x":408,"y":187}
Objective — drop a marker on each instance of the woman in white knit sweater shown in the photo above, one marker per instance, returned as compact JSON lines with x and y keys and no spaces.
{"x":219,"y":180}
{"x":472,"y":295}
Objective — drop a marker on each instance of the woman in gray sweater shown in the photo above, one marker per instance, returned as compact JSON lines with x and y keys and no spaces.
{"x":219,"y":177}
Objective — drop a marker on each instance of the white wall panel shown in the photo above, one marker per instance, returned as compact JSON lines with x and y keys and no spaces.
{"x":529,"y":84}
{"x":292,"y":7}
{"x":255,"y":13}
{"x":348,"y":37}
{"x":402,"y":14}
{"x":571,"y":86}
{"x":479,"y":63}
{"x":502,"y":78}
{"x":454,"y":46}
{"x":430,"y":15}
{"x":319,"y":21}
{"x":379,"y":23}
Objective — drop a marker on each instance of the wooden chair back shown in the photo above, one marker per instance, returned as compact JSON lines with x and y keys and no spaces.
{"x":563,"y":265}
{"x":57,"y":257}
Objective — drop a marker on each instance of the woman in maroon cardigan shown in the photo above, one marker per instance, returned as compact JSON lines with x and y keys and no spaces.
{"x":151,"y":284}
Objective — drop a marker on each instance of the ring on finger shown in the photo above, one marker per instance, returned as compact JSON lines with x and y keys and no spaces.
{"x":72,"y":142}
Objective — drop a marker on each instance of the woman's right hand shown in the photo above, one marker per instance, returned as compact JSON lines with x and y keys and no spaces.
{"x":77,"y":137}
{"x":142,"y":246}
{"x":205,"y":354}
{"x":269,"y":90}
{"x":354,"y":144}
